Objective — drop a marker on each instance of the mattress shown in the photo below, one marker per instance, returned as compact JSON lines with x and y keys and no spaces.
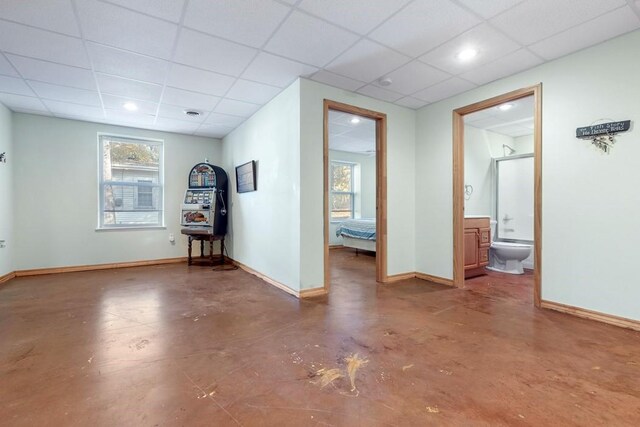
{"x":364,"y":229}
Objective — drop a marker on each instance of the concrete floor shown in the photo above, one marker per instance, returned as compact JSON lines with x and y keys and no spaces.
{"x":172,"y":345}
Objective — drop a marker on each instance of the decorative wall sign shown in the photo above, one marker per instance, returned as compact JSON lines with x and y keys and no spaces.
{"x":602,"y":135}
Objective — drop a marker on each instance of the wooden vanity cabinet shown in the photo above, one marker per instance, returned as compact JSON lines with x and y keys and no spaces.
{"x":477,"y":240}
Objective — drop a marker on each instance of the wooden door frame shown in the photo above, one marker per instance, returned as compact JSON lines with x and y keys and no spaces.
{"x":381,"y":185}
{"x":458,"y":181}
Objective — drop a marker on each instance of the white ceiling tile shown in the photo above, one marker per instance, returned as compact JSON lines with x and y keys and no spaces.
{"x":257,"y":93}
{"x":164,"y":9}
{"x":67,"y":109}
{"x":486,"y":123}
{"x":115,"y":26}
{"x":236,"y":108}
{"x":276,"y":71}
{"x":367,"y":61}
{"x":54,"y":15}
{"x":129,"y":88}
{"x":410,"y":102}
{"x":249,"y":22}
{"x":127,"y":64}
{"x":379,"y":93}
{"x":189,"y":78}
{"x":489,"y":43}
{"x":21,"y":40}
{"x":443,"y":90}
{"x":534,"y":20}
{"x":603,"y":28}
{"x":188,"y":99}
{"x":212,"y":53}
{"x":49,"y":72}
{"x":225,"y":120}
{"x":478,"y":115}
{"x":413,"y":77}
{"x":487,"y":9}
{"x":117,"y":102}
{"x":310,"y":40}
{"x":20,"y":102}
{"x":129,"y":118}
{"x":507,"y":65}
{"x":66,"y":94}
{"x":423,"y":25}
{"x":178,"y":126}
{"x":14,"y":85}
{"x":213,"y":131}
{"x":335,"y":80}
{"x":6,"y":69}
{"x":360,"y":16}
{"x":177,"y":113}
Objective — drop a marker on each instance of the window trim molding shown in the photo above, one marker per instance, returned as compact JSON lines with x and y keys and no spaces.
{"x":138,"y":140}
{"x":352,"y":192}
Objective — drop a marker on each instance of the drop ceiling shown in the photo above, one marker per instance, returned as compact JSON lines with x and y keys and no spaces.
{"x":514,"y":122}
{"x":353,"y":136}
{"x":83,"y":59}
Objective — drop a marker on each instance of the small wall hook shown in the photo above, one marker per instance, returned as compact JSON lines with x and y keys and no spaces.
{"x":3,"y":157}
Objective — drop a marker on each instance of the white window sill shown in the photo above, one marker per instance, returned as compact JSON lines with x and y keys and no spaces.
{"x":155,"y":227}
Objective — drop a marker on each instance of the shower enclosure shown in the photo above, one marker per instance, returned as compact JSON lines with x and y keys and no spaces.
{"x":514,"y":198}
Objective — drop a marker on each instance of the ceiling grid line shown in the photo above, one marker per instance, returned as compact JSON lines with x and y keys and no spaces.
{"x":86,"y":52}
{"x":170,"y":63}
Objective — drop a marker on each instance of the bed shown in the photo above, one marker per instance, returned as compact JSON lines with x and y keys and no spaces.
{"x":358,"y":234}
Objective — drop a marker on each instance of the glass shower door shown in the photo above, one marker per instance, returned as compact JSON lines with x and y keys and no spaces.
{"x":514,"y":198}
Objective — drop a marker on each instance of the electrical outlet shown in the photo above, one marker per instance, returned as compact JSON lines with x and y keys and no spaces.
{"x":3,"y":244}
{"x":172,"y":238}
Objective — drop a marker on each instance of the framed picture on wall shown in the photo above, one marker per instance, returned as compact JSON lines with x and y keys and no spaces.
{"x":246,"y":177}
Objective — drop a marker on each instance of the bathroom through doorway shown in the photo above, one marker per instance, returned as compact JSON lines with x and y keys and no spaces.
{"x":497,"y":195}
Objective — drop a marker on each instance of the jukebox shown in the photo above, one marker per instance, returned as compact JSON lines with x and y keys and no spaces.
{"x":203,"y":214}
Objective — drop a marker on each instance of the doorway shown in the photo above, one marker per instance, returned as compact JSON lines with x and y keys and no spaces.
{"x":347,"y":204}
{"x":462,"y":190}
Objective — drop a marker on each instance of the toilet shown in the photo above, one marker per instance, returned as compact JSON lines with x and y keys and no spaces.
{"x":507,"y":257}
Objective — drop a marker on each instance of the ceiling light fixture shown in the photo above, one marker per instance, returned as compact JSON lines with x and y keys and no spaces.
{"x":192,"y":113}
{"x":130,"y":106}
{"x":467,"y":54}
{"x":385,"y":81}
{"x":355,"y":121}
{"x":505,"y":107}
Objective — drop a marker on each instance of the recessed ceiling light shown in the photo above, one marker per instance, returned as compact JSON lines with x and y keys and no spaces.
{"x":505,"y":107}
{"x":355,"y":120}
{"x":467,"y":54}
{"x":130,"y":106}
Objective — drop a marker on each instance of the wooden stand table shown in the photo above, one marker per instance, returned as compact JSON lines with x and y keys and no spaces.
{"x":202,"y":236}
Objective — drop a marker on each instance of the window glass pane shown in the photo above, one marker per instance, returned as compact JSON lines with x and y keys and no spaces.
{"x":130,"y":161}
{"x":341,"y":205}
{"x":131,"y":182}
{"x":341,"y":177}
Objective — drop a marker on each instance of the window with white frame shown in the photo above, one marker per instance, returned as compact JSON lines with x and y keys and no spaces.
{"x":131,"y":182}
{"x":342,"y":194}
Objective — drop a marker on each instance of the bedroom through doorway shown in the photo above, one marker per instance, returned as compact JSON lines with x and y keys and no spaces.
{"x":355,"y":215}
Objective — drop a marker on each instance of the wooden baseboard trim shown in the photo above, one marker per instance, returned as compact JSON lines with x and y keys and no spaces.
{"x":435,"y":279}
{"x":7,"y":277}
{"x":398,"y":277}
{"x":313,"y":292}
{"x":337,"y":247}
{"x":622,"y":322}
{"x":267,"y":279}
{"x":74,"y":269}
